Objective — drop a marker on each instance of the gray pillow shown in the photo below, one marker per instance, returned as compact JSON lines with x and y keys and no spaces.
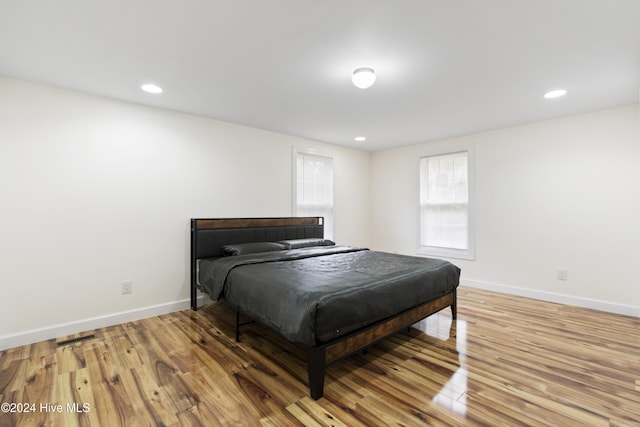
{"x":305,"y":243}
{"x":250,"y":248}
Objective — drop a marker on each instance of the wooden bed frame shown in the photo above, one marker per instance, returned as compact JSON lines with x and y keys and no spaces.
{"x":208,"y":235}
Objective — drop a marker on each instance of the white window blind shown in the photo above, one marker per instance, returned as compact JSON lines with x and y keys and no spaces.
{"x":314,"y":188}
{"x":445,"y":219}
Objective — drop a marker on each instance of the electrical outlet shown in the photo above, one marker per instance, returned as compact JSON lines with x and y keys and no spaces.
{"x":563,"y":275}
{"x":127,"y":286}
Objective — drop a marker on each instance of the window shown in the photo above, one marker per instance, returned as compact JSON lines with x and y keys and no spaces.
{"x":313,"y":188}
{"x":446,"y":215}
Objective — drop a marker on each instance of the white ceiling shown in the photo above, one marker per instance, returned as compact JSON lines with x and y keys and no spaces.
{"x":444,"y":68}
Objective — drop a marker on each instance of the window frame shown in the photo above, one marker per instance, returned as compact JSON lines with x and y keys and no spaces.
{"x":436,"y":251}
{"x":329,"y":223}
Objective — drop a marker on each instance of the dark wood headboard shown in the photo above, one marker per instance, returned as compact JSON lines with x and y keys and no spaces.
{"x":208,"y":235}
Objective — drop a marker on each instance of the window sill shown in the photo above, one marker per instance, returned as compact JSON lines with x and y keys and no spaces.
{"x":429,"y":251}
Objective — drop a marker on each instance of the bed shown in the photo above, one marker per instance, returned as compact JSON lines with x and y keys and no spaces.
{"x":333,"y":300}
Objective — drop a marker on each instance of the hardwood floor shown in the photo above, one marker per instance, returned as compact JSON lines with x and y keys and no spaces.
{"x":505,"y":361}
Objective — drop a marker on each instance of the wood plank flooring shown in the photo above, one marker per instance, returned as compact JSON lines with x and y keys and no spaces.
{"x":506,"y":361}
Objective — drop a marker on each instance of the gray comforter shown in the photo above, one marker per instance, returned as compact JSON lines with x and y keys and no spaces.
{"x":314,"y":295}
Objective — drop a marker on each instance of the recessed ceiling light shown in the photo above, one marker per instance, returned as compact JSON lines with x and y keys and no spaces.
{"x":360,"y":138}
{"x":555,"y":93}
{"x":151,"y":88}
{"x":363,"y":77}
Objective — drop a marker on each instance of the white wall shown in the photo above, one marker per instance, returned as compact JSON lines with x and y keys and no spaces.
{"x":95,"y":191}
{"x":559,"y":194}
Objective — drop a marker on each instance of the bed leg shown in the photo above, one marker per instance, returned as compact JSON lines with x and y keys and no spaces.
{"x":454,"y":306}
{"x":237,"y":325}
{"x":316,"y":367}
{"x":194,"y":299}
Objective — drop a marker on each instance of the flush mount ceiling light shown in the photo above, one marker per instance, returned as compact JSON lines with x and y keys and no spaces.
{"x":363,"y":77}
{"x":360,"y":139}
{"x":151,"y":88}
{"x":555,"y":93}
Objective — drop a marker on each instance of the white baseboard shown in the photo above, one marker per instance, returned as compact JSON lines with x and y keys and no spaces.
{"x":63,"y":329}
{"x":50,"y":332}
{"x":627,"y":310}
